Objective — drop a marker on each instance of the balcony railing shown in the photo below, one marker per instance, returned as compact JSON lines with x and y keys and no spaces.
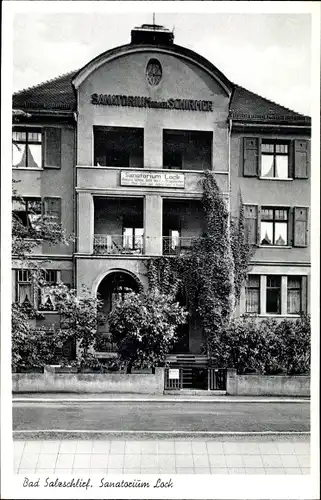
{"x":108,"y":244}
{"x":176,"y":245}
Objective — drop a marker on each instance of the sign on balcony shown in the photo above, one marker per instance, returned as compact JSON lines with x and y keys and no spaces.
{"x":152,"y":179}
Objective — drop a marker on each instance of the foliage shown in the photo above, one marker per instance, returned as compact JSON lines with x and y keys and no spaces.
{"x":39,"y":346}
{"x":266,"y":346}
{"x":31,"y":346}
{"x":144,"y":327}
{"x":206,"y":273}
{"x":241,"y":249}
{"x":27,"y":237}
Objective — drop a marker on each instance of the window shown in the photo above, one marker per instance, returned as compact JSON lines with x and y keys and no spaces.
{"x":46,"y":298}
{"x":133,"y":238}
{"x":274,"y":226}
{"x":187,"y":149}
{"x":27,"y":148}
{"x":154,"y":72}
{"x":28,"y":211}
{"x":274,"y":160}
{"x":118,"y":147}
{"x":273,"y":294}
{"x":294,"y":305}
{"x":24,"y":293}
{"x":252,"y":294}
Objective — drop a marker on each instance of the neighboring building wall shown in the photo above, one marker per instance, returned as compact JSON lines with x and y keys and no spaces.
{"x":293,"y":192}
{"x":58,"y":183}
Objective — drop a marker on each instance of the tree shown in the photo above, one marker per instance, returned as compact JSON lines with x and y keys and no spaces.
{"x":144,"y":327}
{"x":34,"y":346}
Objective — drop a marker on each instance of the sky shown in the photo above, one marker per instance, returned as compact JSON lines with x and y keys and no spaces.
{"x":269,"y":54}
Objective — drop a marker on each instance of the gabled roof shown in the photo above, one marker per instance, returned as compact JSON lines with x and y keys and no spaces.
{"x":58,"y":95}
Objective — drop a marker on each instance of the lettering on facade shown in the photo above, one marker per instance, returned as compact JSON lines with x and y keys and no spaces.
{"x":152,"y":179}
{"x":146,"y":102}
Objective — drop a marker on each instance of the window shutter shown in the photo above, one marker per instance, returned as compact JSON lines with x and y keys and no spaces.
{"x":52,"y":154}
{"x":300,"y":223}
{"x":304,"y":294}
{"x":52,"y":208}
{"x":251,"y":223}
{"x":251,"y":156}
{"x":301,"y":158}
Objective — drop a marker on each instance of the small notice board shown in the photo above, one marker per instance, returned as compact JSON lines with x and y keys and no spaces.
{"x":173,"y":373}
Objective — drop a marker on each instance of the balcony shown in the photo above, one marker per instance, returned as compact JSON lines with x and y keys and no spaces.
{"x":175,"y":245}
{"x":109,"y":244}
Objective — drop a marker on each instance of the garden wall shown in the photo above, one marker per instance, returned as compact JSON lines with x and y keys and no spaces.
{"x":267,"y":385}
{"x":49,"y":381}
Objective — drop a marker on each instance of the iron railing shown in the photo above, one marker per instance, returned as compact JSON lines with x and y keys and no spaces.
{"x":106,"y":244}
{"x":175,"y":245}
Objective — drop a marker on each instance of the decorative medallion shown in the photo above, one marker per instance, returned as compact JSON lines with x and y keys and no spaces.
{"x":154,"y":72}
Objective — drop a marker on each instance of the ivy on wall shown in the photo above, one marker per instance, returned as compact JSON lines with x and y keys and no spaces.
{"x":212,"y":272}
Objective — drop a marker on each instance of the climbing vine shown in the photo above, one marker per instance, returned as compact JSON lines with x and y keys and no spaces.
{"x":212,"y":272}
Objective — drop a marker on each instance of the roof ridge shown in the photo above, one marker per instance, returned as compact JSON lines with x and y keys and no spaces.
{"x":269,"y":100}
{"x":46,"y":82}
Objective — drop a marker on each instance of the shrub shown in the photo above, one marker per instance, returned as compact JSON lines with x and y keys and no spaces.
{"x":144,"y":327}
{"x":267,"y":347}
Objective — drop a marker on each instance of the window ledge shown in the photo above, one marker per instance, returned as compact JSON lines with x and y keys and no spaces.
{"x":27,"y":168}
{"x":276,"y":178}
{"x":42,"y":311}
{"x":295,"y":316}
{"x":274,"y":246}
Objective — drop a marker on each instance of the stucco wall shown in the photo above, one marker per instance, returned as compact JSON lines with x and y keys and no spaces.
{"x":89,"y":382}
{"x":53,"y":183}
{"x":181,"y":79}
{"x":257,"y":191}
{"x":267,"y":385}
{"x":90,"y":271}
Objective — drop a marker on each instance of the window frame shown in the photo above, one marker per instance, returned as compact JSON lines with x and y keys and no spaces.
{"x":279,"y":288}
{"x":274,"y":220}
{"x":275,"y":154}
{"x":20,"y":281}
{"x":54,"y":275}
{"x":27,"y":131}
{"x":292,"y":288}
{"x":132,"y":238}
{"x":257,"y":287}
{"x":25,"y":200}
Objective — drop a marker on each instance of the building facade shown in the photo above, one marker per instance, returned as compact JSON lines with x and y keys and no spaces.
{"x":116,"y":151}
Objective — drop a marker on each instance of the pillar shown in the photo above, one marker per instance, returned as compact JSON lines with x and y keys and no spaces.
{"x":153,"y":143}
{"x":153,"y":224}
{"x":284,"y":295}
{"x":85,"y":223}
{"x":263,"y":294}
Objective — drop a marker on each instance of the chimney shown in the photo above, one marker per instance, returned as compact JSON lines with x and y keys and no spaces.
{"x":152,"y":34}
